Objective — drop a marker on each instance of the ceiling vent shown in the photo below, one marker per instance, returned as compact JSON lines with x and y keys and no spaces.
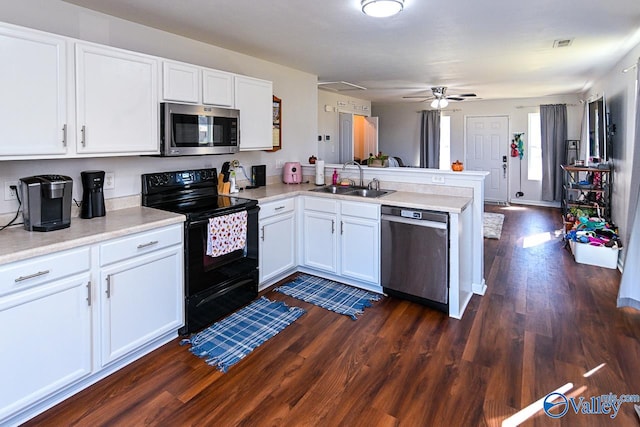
{"x":562,"y":43}
{"x":339,"y":86}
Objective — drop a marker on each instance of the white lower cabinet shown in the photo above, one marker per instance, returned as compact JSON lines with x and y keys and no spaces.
{"x":360,"y":241}
{"x":141,"y":300}
{"x":277,"y":242}
{"x":45,"y":327}
{"x":71,"y":318}
{"x":342,"y":237}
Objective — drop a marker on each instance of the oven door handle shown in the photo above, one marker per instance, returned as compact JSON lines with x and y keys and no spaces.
{"x":224,"y":291}
{"x":227,"y":212}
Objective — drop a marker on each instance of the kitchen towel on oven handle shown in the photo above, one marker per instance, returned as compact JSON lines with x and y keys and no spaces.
{"x":226,"y":233}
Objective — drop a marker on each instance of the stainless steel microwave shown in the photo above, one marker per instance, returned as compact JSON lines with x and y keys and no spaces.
{"x":196,"y":130}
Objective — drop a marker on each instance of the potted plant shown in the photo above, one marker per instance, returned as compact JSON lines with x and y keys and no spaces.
{"x":378,"y":161}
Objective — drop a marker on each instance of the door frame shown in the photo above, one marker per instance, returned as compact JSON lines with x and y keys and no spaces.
{"x":466,"y":141}
{"x":365,"y":114}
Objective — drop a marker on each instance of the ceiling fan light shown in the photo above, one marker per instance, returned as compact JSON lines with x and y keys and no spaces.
{"x":439,"y":103}
{"x":382,"y":8}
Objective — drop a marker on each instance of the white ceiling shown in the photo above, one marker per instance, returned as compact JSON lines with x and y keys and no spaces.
{"x":495,"y":48}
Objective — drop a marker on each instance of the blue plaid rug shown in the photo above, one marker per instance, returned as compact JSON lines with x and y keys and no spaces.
{"x":228,"y":341}
{"x":328,"y":294}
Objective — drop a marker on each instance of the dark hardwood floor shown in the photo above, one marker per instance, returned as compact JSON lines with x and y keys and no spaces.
{"x":543,"y":322}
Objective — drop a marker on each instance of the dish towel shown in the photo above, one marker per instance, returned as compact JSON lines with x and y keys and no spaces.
{"x":226,"y":233}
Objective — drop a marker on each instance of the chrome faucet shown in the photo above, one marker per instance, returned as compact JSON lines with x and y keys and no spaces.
{"x":374,"y":184}
{"x":353,"y":162}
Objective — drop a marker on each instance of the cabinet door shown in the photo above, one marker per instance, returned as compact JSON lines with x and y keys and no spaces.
{"x":180,"y":82}
{"x":254,"y":99}
{"x":277,"y":245}
{"x":117,"y":102}
{"x":360,"y":248}
{"x":142,"y":299}
{"x":320,"y":241}
{"x":217,"y":88}
{"x":46,"y":338}
{"x":33,"y":86}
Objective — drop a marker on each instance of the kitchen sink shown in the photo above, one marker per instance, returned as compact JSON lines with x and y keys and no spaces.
{"x":365,"y":192}
{"x":351,"y":191}
{"x":333,"y":189}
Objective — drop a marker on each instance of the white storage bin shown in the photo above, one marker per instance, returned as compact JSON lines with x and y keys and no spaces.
{"x":600,"y":256}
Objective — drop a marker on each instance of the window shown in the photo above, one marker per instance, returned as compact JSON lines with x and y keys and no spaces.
{"x":534,"y":170}
{"x":445,"y":142}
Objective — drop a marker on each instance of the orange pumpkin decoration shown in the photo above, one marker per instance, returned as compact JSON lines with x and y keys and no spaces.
{"x":457,"y":166}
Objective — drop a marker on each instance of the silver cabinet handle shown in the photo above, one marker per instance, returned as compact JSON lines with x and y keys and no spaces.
{"x":146,"y":245}
{"x":279,"y":208}
{"x":89,"y":294}
{"x":333,"y":226}
{"x":83,"y":131}
{"x":341,"y":227}
{"x":108,"y":291}
{"x":31,"y":276}
{"x":64,"y":135}
{"x":262,"y":229}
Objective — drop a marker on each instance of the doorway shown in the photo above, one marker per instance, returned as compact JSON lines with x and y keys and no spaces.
{"x":358,"y":137}
{"x":487,"y":147}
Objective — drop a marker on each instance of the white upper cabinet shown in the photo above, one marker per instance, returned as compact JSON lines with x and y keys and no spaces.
{"x":33,"y":111}
{"x":192,"y":84}
{"x":180,"y":82}
{"x":254,"y":99}
{"x":217,"y":88}
{"x":117,"y":102}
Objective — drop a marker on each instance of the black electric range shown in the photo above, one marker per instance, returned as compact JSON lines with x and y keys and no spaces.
{"x":214,"y":286}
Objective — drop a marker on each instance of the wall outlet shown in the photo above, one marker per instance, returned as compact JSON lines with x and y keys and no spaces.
{"x":279,"y":164}
{"x":109,"y":181}
{"x":437,"y":179}
{"x":9,"y":194}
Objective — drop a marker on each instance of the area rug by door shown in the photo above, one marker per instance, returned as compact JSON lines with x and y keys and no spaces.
{"x":492,"y":225}
{"x":228,"y":341}
{"x":328,"y":294}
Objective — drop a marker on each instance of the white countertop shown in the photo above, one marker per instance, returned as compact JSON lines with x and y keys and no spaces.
{"x":405,"y":199}
{"x":16,"y":243}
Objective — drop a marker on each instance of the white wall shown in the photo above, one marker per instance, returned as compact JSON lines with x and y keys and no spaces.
{"x":297,"y":89}
{"x":619,"y":90}
{"x":399,"y":131}
{"x":328,"y":123}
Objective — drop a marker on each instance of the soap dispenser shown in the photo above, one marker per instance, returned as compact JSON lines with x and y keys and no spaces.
{"x":334,"y":178}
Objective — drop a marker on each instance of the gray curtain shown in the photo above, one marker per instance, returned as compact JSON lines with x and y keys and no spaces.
{"x":430,"y":139}
{"x":629,"y":293}
{"x":553,"y":127}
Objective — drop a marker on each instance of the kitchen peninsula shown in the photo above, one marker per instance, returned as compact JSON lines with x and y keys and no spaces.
{"x":458,"y":194}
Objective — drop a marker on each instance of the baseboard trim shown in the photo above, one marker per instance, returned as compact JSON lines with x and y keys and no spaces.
{"x":535,"y":203}
{"x":479,"y":289}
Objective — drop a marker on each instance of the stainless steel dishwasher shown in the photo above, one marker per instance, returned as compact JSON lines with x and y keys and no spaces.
{"x":415,"y":255}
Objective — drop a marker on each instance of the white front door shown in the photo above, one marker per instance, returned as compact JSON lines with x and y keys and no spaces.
{"x":487,"y":140}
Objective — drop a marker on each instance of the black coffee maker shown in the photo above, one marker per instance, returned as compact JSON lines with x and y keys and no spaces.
{"x":92,"y":194}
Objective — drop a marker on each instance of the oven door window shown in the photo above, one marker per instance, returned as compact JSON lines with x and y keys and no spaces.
{"x":191,"y":130}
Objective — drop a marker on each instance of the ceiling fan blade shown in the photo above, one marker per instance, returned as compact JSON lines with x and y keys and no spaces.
{"x":454,"y":98}
{"x":466,"y":95}
{"x":418,"y":96}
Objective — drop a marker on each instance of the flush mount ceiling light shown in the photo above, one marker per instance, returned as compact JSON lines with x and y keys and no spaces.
{"x":382,"y":8}
{"x":439,"y":103}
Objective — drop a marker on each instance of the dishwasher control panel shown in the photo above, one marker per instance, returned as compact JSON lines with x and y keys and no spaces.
{"x":411,"y":214}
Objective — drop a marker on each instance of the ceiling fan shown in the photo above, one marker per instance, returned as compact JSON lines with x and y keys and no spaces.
{"x":440,"y":97}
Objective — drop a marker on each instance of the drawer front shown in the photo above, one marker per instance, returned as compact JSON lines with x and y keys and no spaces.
{"x":140,"y":243}
{"x":360,"y":210}
{"x":321,"y":204}
{"x":25,"y":274}
{"x":274,"y":208}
